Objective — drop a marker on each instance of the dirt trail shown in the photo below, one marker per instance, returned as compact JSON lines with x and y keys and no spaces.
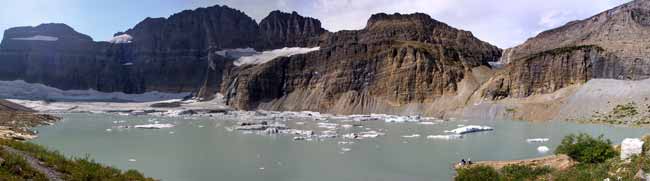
{"x":52,"y":174}
{"x":559,"y":162}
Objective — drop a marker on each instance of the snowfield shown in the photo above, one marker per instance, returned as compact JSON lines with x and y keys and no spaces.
{"x":19,"y":89}
{"x":37,"y":38}
{"x":250,"y":56}
{"x":124,"y":38}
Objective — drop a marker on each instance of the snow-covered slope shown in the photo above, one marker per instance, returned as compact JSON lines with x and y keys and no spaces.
{"x":38,"y":38}
{"x":19,"y":89}
{"x":250,"y":56}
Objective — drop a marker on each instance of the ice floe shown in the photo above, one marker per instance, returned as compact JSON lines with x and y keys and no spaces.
{"x":154,"y":126}
{"x":537,"y":140}
{"x":542,"y":149}
{"x":445,"y":137}
{"x":411,"y":136}
{"x":470,"y":129}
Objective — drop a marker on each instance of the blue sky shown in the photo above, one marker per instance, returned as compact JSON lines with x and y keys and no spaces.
{"x":504,"y":23}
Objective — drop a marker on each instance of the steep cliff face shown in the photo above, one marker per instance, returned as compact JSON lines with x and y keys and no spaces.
{"x":396,"y":61}
{"x":608,"y":45}
{"x":281,"y":29}
{"x":174,"y":54}
{"x":193,"y":32}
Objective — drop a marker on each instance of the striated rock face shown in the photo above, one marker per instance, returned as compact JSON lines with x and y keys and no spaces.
{"x":281,"y":29}
{"x":545,"y":72}
{"x":169,"y":55}
{"x":396,"y":61}
{"x":611,"y":44}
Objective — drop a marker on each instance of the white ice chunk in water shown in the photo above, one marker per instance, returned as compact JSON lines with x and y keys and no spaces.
{"x":537,"y":140}
{"x":542,"y":149}
{"x":445,"y":137}
{"x":470,"y":129}
{"x":631,"y":146}
{"x":411,"y":136}
{"x":154,"y":126}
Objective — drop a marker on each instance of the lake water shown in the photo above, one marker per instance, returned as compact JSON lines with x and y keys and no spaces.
{"x":202,"y":149}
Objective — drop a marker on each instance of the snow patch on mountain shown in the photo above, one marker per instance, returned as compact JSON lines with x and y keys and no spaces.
{"x":124,"y":38}
{"x":250,"y":56}
{"x":20,"y":89}
{"x":37,"y":38}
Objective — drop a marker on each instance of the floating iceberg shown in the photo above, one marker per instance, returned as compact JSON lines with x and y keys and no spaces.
{"x":537,"y":140}
{"x":445,"y":137}
{"x":411,"y":136}
{"x":328,"y":125}
{"x":370,"y":134}
{"x":154,"y":126}
{"x":402,"y":119}
{"x":542,"y":149}
{"x":427,"y":123}
{"x":470,"y":129}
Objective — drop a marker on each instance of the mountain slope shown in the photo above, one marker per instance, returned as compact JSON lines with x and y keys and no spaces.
{"x":398,"y":64}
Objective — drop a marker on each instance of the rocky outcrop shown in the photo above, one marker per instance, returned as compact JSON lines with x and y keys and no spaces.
{"x":396,"y":62}
{"x":281,"y":29}
{"x":172,"y":54}
{"x":16,"y":121}
{"x":608,"y":45}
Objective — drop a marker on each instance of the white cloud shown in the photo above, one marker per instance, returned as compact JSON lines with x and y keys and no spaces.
{"x":504,"y":23}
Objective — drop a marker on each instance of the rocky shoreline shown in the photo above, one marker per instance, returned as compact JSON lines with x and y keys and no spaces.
{"x":16,"y":121}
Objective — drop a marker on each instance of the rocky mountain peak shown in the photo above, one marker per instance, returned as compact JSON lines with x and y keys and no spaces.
{"x":397,"y":20}
{"x":280,"y":29}
{"x":48,"y":31}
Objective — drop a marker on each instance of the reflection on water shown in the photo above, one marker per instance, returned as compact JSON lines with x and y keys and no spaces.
{"x":202,"y":149}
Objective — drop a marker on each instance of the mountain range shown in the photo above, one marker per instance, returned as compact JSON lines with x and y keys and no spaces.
{"x":398,"y":64}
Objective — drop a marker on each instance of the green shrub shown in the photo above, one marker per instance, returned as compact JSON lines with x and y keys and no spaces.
{"x":477,"y":173}
{"x":586,"y":149}
{"x":15,"y":167}
{"x":523,"y":172}
{"x":74,"y":168}
{"x":586,"y":172}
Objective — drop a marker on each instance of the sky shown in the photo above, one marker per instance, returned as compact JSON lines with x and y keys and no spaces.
{"x":504,"y":23}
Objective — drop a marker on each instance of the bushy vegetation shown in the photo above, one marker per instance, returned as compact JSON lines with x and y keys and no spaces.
{"x":523,"y":172}
{"x":507,"y":173}
{"x":74,"y":168}
{"x":15,"y":167}
{"x":477,"y":173}
{"x":586,"y":149}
